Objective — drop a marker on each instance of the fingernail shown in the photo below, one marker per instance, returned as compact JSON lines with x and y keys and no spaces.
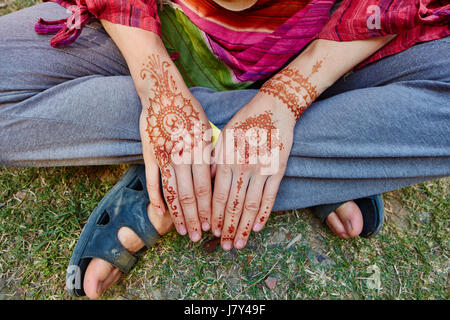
{"x":239,"y":244}
{"x":182,"y":230}
{"x":205,"y":226}
{"x":217,"y":232}
{"x":227,"y":245}
{"x":348,"y":226}
{"x":195,"y":236}
{"x":257,"y":227}
{"x":343,"y":235}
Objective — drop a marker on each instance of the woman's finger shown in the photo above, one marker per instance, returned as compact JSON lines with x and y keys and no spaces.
{"x":222,"y":185}
{"x":267,"y":202}
{"x":251,"y":208}
{"x":152,"y":176}
{"x":186,"y":197}
{"x":233,"y":209}
{"x":169,"y":184}
{"x":203,"y":193}
{"x":213,"y":165}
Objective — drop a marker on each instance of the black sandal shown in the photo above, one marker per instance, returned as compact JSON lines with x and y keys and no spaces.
{"x":372,"y":210}
{"x":124,"y":206}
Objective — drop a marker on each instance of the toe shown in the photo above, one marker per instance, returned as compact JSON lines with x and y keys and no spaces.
{"x":351,"y":218}
{"x":99,"y":276}
{"x":336,"y":226}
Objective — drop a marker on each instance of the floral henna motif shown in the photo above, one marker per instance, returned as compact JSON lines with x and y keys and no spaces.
{"x":255,"y":137}
{"x":170,"y":119}
{"x":293,"y":89}
{"x":261,"y":141}
{"x":170,"y":116}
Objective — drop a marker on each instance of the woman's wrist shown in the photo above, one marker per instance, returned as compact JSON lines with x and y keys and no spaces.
{"x":293,"y":90}
{"x":157,"y":75}
{"x":320,"y":65}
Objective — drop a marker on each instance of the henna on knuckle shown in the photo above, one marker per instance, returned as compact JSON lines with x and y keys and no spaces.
{"x":262,"y":219}
{"x":170,"y":196}
{"x":231,"y":211}
{"x":231,"y":229}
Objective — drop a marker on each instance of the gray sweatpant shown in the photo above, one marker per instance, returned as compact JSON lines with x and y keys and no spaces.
{"x":380,"y":128}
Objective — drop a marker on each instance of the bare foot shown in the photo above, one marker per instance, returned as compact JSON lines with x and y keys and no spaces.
{"x":346,"y":221}
{"x":101,"y":275}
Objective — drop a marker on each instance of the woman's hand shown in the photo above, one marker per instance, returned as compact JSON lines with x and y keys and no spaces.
{"x":259,"y":138}
{"x":172,"y":124}
{"x":250,"y":158}
{"x":176,"y":138}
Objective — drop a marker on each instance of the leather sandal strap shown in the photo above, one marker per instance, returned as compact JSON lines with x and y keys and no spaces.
{"x":134,"y":203}
{"x":104,"y":246}
{"x":124,"y":206}
{"x":136,"y":219}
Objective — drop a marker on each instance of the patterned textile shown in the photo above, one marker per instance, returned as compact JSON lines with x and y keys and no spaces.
{"x":225,"y":50}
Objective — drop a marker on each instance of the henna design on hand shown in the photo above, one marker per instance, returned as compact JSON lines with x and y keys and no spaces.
{"x":261,"y":128}
{"x":171,"y":118}
{"x":266,"y":214}
{"x":293,"y":89}
{"x":265,"y":140}
{"x":236,"y":200}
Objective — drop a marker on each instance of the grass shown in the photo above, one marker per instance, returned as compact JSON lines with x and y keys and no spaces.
{"x":42,"y":211}
{"x":8,"y":6}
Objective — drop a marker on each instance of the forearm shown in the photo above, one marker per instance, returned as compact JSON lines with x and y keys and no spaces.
{"x":138,"y":46}
{"x":316,"y":69}
{"x":337,"y":58}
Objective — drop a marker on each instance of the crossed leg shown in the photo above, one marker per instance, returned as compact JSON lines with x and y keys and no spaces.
{"x":381,"y":128}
